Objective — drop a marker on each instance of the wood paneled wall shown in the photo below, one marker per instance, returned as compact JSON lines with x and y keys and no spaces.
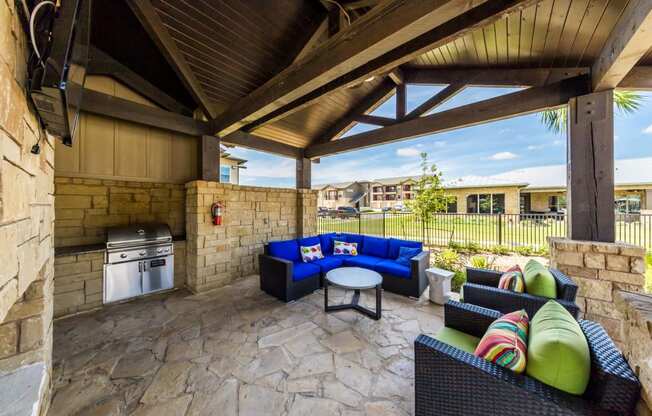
{"x":113,"y":149}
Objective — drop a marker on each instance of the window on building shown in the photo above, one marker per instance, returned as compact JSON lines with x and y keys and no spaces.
{"x":378,"y":197}
{"x":332,"y":195}
{"x":378,"y":189}
{"x":556,"y":203}
{"x":452,"y":205}
{"x":391,"y":197}
{"x":525,"y":203}
{"x":391,"y":188}
{"x":225,"y":174}
{"x":485,"y":203}
{"x":629,"y":204}
{"x":407,"y":196}
{"x":407,"y":188}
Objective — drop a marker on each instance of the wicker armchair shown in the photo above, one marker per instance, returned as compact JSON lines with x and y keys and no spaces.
{"x":481,"y":288}
{"x":449,"y":381}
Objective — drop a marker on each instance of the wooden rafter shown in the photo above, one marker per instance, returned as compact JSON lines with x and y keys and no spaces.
{"x":152,"y":23}
{"x":455,"y":28}
{"x":252,"y":141}
{"x":375,"y":120}
{"x":103,"y":64}
{"x":629,"y":40}
{"x":396,"y":75}
{"x":379,"y":95}
{"x":319,"y":35}
{"x":512,"y":77}
{"x":106,"y":105}
{"x":401,"y":100}
{"x":510,"y":105}
{"x":436,"y":100}
{"x":639,"y":78}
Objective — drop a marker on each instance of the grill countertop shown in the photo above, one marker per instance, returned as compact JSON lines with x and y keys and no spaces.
{"x":138,"y":234}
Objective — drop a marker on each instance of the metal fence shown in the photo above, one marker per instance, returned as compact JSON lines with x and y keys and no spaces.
{"x":484,"y":231}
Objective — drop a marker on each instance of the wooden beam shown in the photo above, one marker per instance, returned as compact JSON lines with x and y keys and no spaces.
{"x":591,"y":168}
{"x":629,"y":40}
{"x":396,"y":75}
{"x":386,"y":27}
{"x":379,"y":95}
{"x":103,"y":64}
{"x":318,"y":36}
{"x":106,"y":105}
{"x":251,"y":141}
{"x":455,"y":28}
{"x":375,"y":120}
{"x":209,"y":158}
{"x":436,"y":100}
{"x":303,"y":174}
{"x":353,"y":5}
{"x":333,"y":21}
{"x":495,"y":77}
{"x":401,"y":101}
{"x":639,"y":78}
{"x":509,"y":105}
{"x":152,"y":23}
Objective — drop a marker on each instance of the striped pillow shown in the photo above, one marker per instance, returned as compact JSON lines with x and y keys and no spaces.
{"x":505,"y":342}
{"x":512,"y":280}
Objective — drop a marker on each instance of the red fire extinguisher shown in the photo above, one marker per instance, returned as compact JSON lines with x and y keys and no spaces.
{"x":216,"y":213}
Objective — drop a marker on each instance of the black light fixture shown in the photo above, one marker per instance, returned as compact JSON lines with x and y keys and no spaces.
{"x":36,"y":149}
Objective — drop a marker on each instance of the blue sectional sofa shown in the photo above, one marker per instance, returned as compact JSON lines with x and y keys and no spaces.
{"x":285,"y":276}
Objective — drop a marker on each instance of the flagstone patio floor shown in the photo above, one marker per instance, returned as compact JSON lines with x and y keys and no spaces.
{"x":238,"y":351}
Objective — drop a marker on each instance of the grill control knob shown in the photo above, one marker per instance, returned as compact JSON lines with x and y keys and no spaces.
{"x":142,"y":253}
{"x":123,"y":255}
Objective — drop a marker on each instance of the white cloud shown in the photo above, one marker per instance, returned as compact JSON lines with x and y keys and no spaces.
{"x":503,"y":156}
{"x":648,"y":129}
{"x":558,"y":142}
{"x":536,"y":146}
{"x":283,"y":168}
{"x":408,"y":152}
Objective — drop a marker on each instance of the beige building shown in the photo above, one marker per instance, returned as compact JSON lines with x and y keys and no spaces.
{"x":530,"y":190}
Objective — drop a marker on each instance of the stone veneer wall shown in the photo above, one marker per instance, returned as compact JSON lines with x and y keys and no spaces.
{"x":217,"y":255}
{"x":78,"y":279}
{"x":610,"y":277}
{"x":26,"y":215}
{"x":86,"y":207}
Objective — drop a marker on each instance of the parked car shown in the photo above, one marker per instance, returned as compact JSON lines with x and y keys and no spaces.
{"x":346,"y":212}
{"x":322,"y":212}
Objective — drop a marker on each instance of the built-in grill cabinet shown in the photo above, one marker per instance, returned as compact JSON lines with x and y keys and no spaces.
{"x":139,"y":260}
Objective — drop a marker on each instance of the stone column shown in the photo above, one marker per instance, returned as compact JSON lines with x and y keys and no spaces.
{"x":306,"y":212}
{"x":600,"y":271}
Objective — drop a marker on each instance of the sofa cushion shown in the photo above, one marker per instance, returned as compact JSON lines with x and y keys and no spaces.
{"x":558,"y":354}
{"x":405,"y":254}
{"x":302,"y":271}
{"x":342,"y":248}
{"x":393,"y":268}
{"x":375,"y":246}
{"x":361,"y":260}
{"x":354,"y":238}
{"x":329,"y":263}
{"x":512,"y":280}
{"x":457,"y":339}
{"x":309,"y":241}
{"x":311,"y":253}
{"x":287,"y":249}
{"x":327,"y":243}
{"x":395,"y":244}
{"x":505,"y":342}
{"x":538,"y":280}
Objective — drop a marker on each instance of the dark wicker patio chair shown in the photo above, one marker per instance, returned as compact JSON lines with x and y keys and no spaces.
{"x":449,"y":381}
{"x":481,"y":288}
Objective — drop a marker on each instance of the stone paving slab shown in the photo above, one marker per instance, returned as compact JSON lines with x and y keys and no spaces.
{"x":236,"y":351}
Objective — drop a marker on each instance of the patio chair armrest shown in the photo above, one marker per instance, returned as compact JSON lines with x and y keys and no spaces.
{"x":566,"y":288}
{"x":613,"y":385}
{"x":483,"y":276}
{"x":449,"y":381}
{"x":419,"y":264}
{"x":470,"y":319}
{"x":507,"y":301}
{"x":275,"y":268}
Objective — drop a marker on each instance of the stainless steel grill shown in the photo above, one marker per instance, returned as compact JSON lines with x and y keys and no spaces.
{"x":139,"y":260}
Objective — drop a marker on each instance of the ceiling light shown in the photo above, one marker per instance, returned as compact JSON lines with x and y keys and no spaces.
{"x":371,"y":78}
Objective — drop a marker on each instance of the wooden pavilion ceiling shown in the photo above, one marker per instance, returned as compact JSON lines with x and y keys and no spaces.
{"x":297,"y":73}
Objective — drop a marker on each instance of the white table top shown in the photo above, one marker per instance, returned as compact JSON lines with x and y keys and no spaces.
{"x":354,"y":278}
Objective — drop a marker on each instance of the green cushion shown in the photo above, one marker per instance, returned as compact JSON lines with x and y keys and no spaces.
{"x":538,"y":280}
{"x":457,"y":339}
{"x":558,"y":354}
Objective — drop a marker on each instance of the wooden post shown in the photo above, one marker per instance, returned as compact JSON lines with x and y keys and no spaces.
{"x":303,"y":173}
{"x":590,"y":167}
{"x":209,"y":158}
{"x":401,"y":101}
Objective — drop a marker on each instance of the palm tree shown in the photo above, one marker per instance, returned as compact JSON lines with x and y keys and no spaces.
{"x":624,"y":101}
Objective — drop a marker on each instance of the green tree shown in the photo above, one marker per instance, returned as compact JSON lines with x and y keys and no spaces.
{"x":429,"y":197}
{"x":624,"y":101}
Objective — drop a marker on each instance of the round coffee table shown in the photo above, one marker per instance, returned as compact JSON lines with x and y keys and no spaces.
{"x":356,"y":279}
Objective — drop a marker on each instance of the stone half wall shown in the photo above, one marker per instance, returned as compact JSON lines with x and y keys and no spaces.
{"x":78,"y":284}
{"x":26,"y":226}
{"x":85,"y":208}
{"x":217,"y":255}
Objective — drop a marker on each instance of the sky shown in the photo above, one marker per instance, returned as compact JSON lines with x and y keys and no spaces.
{"x":487,"y":149}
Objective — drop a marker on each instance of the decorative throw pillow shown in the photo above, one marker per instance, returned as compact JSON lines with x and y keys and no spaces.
{"x":311,"y":253}
{"x":505,"y":342}
{"x":342,"y":248}
{"x":538,"y":280}
{"x":405,"y":254}
{"x":512,"y":280}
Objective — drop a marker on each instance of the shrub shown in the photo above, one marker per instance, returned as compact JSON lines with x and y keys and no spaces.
{"x":458,"y":280}
{"x":499,"y":250}
{"x":524,"y":250}
{"x":480,"y":262}
{"x":454,"y":246}
{"x":448,"y":259}
{"x":472,"y":247}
